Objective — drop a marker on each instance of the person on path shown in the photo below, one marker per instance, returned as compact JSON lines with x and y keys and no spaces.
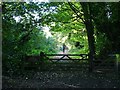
{"x":64,"y":48}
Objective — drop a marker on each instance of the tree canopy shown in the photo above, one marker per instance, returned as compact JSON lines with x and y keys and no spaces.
{"x":29,"y":28}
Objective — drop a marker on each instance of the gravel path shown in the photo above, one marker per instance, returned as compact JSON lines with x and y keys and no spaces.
{"x":63,"y":79}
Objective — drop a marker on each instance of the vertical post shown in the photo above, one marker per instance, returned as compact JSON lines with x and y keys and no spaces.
{"x":116,"y":64}
{"x":41,"y":60}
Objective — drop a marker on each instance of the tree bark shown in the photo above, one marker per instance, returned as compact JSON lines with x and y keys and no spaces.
{"x":90,"y":32}
{"x":89,"y":27}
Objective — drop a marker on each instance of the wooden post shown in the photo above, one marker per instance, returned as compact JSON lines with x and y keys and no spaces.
{"x":117,"y":58}
{"x":41,"y":60}
{"x":41,"y":54}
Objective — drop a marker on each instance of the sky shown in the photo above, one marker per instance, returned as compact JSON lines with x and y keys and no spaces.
{"x":36,"y":0}
{"x":44,"y":28}
{"x":47,"y":31}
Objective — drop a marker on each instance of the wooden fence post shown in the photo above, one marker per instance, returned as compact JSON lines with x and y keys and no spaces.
{"x":117,"y":59}
{"x":42,"y":60}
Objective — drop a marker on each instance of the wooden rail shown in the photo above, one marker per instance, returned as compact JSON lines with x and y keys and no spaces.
{"x":67,"y":56}
{"x":97,"y":63}
{"x":58,"y":57}
{"x":49,"y":60}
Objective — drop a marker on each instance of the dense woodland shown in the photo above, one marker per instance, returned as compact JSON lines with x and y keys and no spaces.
{"x":29,"y":28}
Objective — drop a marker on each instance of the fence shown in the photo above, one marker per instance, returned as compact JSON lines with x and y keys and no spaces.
{"x":109,"y":63}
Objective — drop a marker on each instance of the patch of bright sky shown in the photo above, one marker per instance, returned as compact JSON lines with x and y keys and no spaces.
{"x":47,"y":32}
{"x":27,"y":1}
{"x":46,"y":29}
{"x":17,"y":18}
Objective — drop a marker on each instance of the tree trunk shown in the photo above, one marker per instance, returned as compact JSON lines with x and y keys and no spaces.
{"x":90,"y":32}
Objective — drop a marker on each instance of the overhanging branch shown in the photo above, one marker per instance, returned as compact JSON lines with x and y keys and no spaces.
{"x":75,"y":11}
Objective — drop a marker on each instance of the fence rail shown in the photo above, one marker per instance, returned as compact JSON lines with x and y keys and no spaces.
{"x":62,"y":58}
{"x":67,"y":56}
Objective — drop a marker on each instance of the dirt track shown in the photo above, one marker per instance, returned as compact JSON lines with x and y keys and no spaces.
{"x":63,"y":79}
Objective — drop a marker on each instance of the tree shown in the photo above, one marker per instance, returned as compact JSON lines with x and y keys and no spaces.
{"x":22,"y":34}
{"x":68,"y":24}
{"x":87,"y":20}
{"x":105,"y":17}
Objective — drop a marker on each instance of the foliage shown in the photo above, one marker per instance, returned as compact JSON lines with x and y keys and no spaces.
{"x":68,"y":27}
{"x":22,"y":36}
{"x":106,"y":19}
{"x":69,"y":23}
